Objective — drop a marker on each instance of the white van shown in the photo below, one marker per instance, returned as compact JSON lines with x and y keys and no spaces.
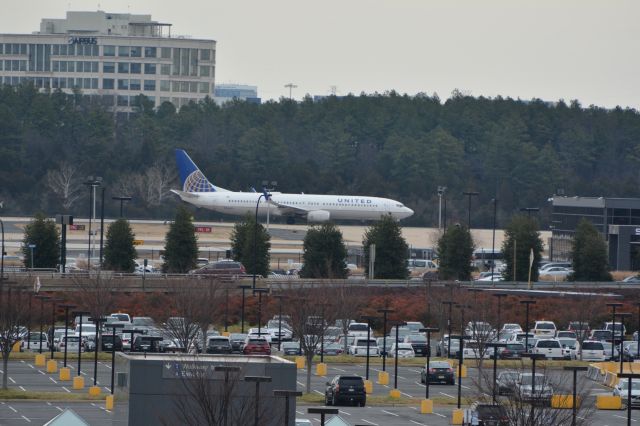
{"x":359,"y":329}
{"x":359,"y":347}
{"x":592,"y":350}
{"x":550,"y":348}
{"x":544,"y":329}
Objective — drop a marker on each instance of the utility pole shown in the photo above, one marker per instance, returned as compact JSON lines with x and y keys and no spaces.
{"x":290,"y":86}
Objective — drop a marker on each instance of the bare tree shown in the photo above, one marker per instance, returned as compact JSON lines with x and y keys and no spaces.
{"x":345,"y":305}
{"x":96,"y":292}
{"x":64,"y":182}
{"x":153,"y":186}
{"x":13,"y":315}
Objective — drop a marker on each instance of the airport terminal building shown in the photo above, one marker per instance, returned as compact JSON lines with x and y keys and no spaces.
{"x":112,"y":57}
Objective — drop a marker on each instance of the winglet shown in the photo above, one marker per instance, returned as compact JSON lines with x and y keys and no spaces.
{"x":191,"y":177}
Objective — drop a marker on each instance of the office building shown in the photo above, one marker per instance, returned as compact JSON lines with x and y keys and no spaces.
{"x":227,"y":92}
{"x":111,"y":57}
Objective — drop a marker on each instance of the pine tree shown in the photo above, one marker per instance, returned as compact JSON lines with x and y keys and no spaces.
{"x":455,"y":250}
{"x":324,"y":253}
{"x":521,"y":236}
{"x":391,"y":249}
{"x":242,"y":245}
{"x":589,"y":254}
{"x":181,"y":245}
{"x":119,"y":252}
{"x":43,"y":234}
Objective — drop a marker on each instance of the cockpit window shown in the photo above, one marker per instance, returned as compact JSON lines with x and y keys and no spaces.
{"x":399,"y":205}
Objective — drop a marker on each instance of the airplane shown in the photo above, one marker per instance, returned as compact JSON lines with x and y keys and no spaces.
{"x":197,"y":190}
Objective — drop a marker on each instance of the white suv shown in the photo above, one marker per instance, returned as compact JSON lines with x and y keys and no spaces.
{"x":359,"y":347}
{"x":593,"y":350}
{"x":543,"y":329}
{"x":550,"y":348}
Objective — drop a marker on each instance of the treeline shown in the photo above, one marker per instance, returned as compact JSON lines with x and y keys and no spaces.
{"x":387,"y":145}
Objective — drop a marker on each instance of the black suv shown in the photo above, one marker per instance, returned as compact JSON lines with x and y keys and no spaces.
{"x":110,"y":342}
{"x":219,"y":345}
{"x":345,"y":389}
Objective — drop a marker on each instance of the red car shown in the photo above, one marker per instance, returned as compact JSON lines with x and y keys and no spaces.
{"x":256,"y":346}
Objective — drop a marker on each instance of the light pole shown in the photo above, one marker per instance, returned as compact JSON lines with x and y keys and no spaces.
{"x":397,"y":324}
{"x":622,"y":316}
{"x":2,"y":255}
{"x":243,"y":288}
{"x":638,"y":332}
{"x":226,"y":307}
{"x":368,"y":319}
{"x":287,"y":394}
{"x":226,"y":369}
{"x":266,"y":196}
{"x":66,"y":328}
{"x":122,"y":199}
{"x":97,"y":322}
{"x":42,"y":299}
{"x":613,"y":307}
{"x":80,"y":314}
{"x":32,"y":248}
{"x":575,"y":391}
{"x":629,"y":377}
{"x":526,"y":324}
{"x":428,"y":330}
{"x":322,"y":329}
{"x":257,"y":380}
{"x":260,"y":291}
{"x":461,"y":353}
{"x":384,"y":313}
{"x":495,"y":347}
{"x":441,"y":191}
{"x":322,"y":411}
{"x":279,"y":297}
{"x":92,"y":183}
{"x":53,"y":302}
{"x":470,"y":194}
{"x":450,"y":303}
{"x":290,"y":86}
{"x":533,"y":357}
{"x":499,"y":296}
{"x":493,"y":236}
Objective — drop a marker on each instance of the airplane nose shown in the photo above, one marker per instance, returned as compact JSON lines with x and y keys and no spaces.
{"x":408,"y":211}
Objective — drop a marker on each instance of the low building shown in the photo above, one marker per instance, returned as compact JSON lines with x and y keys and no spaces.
{"x":227,"y":92}
{"x":167,"y":389}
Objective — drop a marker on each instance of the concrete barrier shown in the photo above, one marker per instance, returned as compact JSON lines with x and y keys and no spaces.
{"x":52,"y":366}
{"x":40,"y":360}
{"x":321,"y":369}
{"x":426,"y":406}
{"x":300,"y":362}
{"x":78,"y":382}
{"x":383,"y":378}
{"x":368,"y":386}
{"x":563,"y":401}
{"x":394,"y":393}
{"x":94,"y":391}
{"x":108,"y":403}
{"x":461,"y":372}
{"x":608,"y":402}
{"x":65,"y":374}
{"x":457,"y":417}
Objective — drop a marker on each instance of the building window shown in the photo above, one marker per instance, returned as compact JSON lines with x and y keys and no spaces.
{"x":204,"y":87}
{"x":123,"y":84}
{"x":107,"y":83}
{"x":108,"y":67}
{"x":205,"y":54}
{"x":109,"y":51}
{"x":134,"y":84}
{"x":123,"y":51}
{"x":204,"y":71}
{"x":165,"y":53}
{"x":149,"y":68}
{"x":150,"y":85}
{"x":175,"y":86}
{"x":123,"y":67}
{"x":135,"y":68}
{"x":165,"y":69}
{"x":193,"y":87}
{"x":150,"y":52}
{"x":136,"y":51}
{"x":165,"y":85}
{"x":123,"y":100}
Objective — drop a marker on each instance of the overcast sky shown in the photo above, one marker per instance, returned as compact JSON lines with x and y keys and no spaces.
{"x":549,"y":49}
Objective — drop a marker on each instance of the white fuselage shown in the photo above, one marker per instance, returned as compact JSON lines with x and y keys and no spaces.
{"x":281,"y":204}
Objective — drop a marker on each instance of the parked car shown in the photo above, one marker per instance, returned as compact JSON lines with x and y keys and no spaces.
{"x":220,"y":268}
{"x":402,"y":332}
{"x":550,"y":348}
{"x":544,"y":329}
{"x":448,"y":347}
{"x":619,"y":332}
{"x":418,"y":343}
{"x":592,"y":350}
{"x":291,"y":348}
{"x":237,"y":341}
{"x":438,"y":372}
{"x":557,"y":272}
{"x":486,"y":414}
{"x":72,"y":343}
{"x":474,"y":349}
{"x":219,"y":345}
{"x":581,"y":328}
{"x":601,"y":335}
{"x":405,"y":350}
{"x":633,"y":279}
{"x":630,"y":351}
{"x":111,"y":342}
{"x":607,"y":351}
{"x":512,"y":327}
{"x":512,"y":351}
{"x":381,"y":348}
{"x":359,"y":347}
{"x":496,"y":276}
{"x":415,"y":326}
{"x":147,"y":343}
{"x":479,"y":330}
{"x":359,"y":329}
{"x":330,"y":349}
{"x":256,"y":346}
{"x":260,"y":333}
{"x":507,"y":381}
{"x":345,"y":389}
{"x":622,"y":390}
{"x":544,"y":269}
{"x":525,"y":388}
{"x":566,"y":334}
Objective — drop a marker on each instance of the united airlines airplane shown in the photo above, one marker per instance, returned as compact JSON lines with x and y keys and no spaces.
{"x":197,"y":190}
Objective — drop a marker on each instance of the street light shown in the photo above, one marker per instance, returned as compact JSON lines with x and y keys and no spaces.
{"x":638,"y":334}
{"x":384,"y":313}
{"x":42,"y":299}
{"x":450,"y":303}
{"x":461,"y":353}
{"x":260,"y":291}
{"x":80,"y":314}
{"x":31,"y":248}
{"x":266,"y":196}
{"x":122,"y":199}
{"x":368,"y":319}
{"x":499,"y":296}
{"x":243,"y":288}
{"x":322,"y":329}
{"x":226,"y":369}
{"x":526,"y":333}
{"x":257,"y":380}
{"x":470,"y":194}
{"x":428,"y":330}
{"x":53,"y":302}
{"x":495,"y":347}
{"x":575,"y":391}
{"x":533,"y":357}
{"x":397,"y":324}
{"x":322,"y":411}
{"x":629,"y":376}
{"x":287,"y":394}
{"x":97,"y":322}
{"x":493,"y":236}
{"x":92,"y":183}
{"x":441,"y":191}
{"x":279,"y":297}
{"x":66,"y":328}
{"x":622,"y":316}
{"x":613,"y":307}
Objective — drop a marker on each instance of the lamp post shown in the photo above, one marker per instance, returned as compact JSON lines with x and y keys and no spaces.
{"x":493,"y":236}
{"x":42,"y":299}
{"x":397,"y":324}
{"x":613,"y":307}
{"x":322,"y":411}
{"x":470,"y":194}
{"x":450,"y":303}
{"x":31,"y":248}
{"x":638,"y":334}
{"x":629,"y":377}
{"x":53,"y":302}
{"x":243,"y":288}
{"x":102,"y":230}
{"x":80,"y":314}
{"x":92,"y":183}
{"x":226,"y":307}
{"x":526,"y":324}
{"x":495,"y":347}
{"x":368,"y":319}
{"x":266,"y":196}
{"x":428,"y":330}
{"x":575,"y":391}
{"x":287,"y":394}
{"x":533,"y":379}
{"x":441,"y":191}
{"x":122,"y":199}
{"x":499,"y":296}
{"x":322,"y":330}
{"x":97,"y":322}
{"x":384,"y":313}
{"x":461,"y":353}
{"x":260,"y":291}
{"x":226,"y":369}
{"x":257,"y":380}
{"x":66,"y":328}
{"x":622,"y":316}
{"x":113,"y":356}
{"x":279,"y":297}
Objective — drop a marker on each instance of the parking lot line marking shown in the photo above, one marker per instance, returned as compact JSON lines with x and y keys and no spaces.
{"x":420,"y":384}
{"x":418,"y":423}
{"x":300,"y":412}
{"x":23,"y":389}
{"x":12,"y":381}
{"x":318,"y":392}
{"x":107,"y":389}
{"x":60,"y":409}
{"x":30,"y":365}
{"x":48,"y":403}
{"x":615,"y":415}
{"x":42,"y":372}
{"x":15,"y":411}
{"x":53,"y":380}
{"x":414,"y":370}
{"x":406,"y":394}
{"x":392,"y":414}
{"x":83,"y":373}
{"x":403,"y":378}
{"x":301,"y":384}
{"x":339,"y":369}
{"x":344,"y":412}
{"x":441,"y":415}
{"x":446,"y":394}
{"x":467,"y":387}
{"x":371,"y":423}
{"x":66,"y":389}
{"x":24,"y":417}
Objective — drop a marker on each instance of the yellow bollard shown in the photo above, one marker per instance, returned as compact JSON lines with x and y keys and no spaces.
{"x":426,"y":406}
{"x":462,"y":372}
{"x":108,"y":403}
{"x":52,"y":366}
{"x":368,"y":386}
{"x":94,"y":391}
{"x":40,"y":360}
{"x":394,"y":393}
{"x":78,"y":382}
{"x":563,"y":401}
{"x":457,"y":417}
{"x":225,"y":333}
{"x":17,"y":346}
{"x":383,"y":378}
{"x":300,"y":362}
{"x":321,"y":369}
{"x":65,"y":374}
{"x":608,"y":402}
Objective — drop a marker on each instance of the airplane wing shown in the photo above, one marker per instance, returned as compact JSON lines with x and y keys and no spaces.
{"x":286,"y":209}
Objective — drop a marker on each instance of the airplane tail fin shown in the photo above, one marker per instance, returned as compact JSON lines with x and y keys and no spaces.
{"x":192,"y":179}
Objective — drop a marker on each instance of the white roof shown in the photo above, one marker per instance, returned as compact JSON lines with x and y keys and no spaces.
{"x":67,"y":418}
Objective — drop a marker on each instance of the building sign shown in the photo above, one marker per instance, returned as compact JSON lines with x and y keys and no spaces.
{"x":83,"y":40}
{"x":203,"y":229}
{"x":76,"y":227}
{"x":637,"y":231}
